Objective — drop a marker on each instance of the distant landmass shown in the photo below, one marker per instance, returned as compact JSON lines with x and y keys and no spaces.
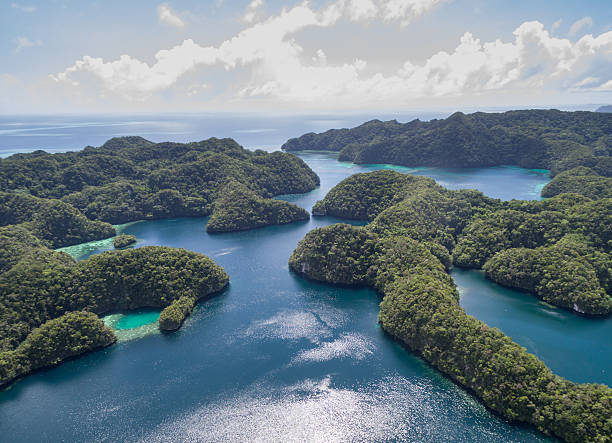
{"x":606,"y":108}
{"x":578,"y":143}
{"x":130,"y":178}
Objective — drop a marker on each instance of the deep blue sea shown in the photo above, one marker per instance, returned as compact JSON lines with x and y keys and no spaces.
{"x":276,"y":357}
{"x":65,"y":133}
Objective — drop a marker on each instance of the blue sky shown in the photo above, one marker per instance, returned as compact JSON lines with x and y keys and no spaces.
{"x":293,"y":56}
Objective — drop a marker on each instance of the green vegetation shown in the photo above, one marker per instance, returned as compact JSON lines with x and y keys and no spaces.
{"x":420,"y":308}
{"x":54,"y":222}
{"x":238,"y":209}
{"x":15,"y":242}
{"x":473,"y":228}
{"x":57,"y":200}
{"x":173,"y":316}
{"x":69,"y":335}
{"x":45,"y":285}
{"x":130,"y":178}
{"x":559,"y":249}
{"x":558,"y":274}
{"x":359,"y":199}
{"x":579,"y":180}
{"x":549,"y":139}
{"x":123,"y":240}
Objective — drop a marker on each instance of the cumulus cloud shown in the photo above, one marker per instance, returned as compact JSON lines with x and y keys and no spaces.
{"x":167,"y":17}
{"x":24,"y":43}
{"x":280,"y":70}
{"x":265,"y":42}
{"x":587,"y":81}
{"x":403,"y":11}
{"x":251,"y":11}
{"x":579,"y":24}
{"x":607,"y":86}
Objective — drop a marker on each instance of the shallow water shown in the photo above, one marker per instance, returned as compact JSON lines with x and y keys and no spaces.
{"x":137,"y":319}
{"x":276,"y":357}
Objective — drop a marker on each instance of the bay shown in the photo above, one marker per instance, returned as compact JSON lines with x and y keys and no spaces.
{"x":276,"y":357}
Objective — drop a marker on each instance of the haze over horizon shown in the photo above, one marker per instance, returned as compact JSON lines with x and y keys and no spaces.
{"x":327,"y":56}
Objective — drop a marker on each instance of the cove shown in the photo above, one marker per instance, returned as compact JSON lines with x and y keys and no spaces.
{"x":137,"y":319}
{"x":133,"y":325}
{"x":276,"y":357}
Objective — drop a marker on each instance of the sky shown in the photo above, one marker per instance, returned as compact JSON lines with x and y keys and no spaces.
{"x":79,"y":56}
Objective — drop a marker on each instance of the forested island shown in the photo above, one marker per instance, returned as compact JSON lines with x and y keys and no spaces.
{"x":238,"y":209}
{"x":130,"y":178}
{"x":558,"y":248}
{"x":574,"y":143}
{"x":123,"y":241}
{"x":49,"y":304}
{"x":53,"y":222}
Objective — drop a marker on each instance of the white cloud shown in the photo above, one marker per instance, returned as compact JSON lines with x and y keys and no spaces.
{"x":533,"y":60}
{"x":196,"y":89}
{"x":23,"y":8}
{"x":279,"y":70}
{"x":320,"y":57}
{"x":607,"y":86}
{"x":167,"y":17}
{"x":579,"y":24}
{"x":556,"y":25}
{"x":24,"y":42}
{"x":265,"y":42}
{"x":251,"y":11}
{"x":587,"y":81}
{"x":403,"y":11}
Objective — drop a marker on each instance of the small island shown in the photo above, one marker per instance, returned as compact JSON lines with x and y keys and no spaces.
{"x":41,"y":293}
{"x":238,"y":208}
{"x":173,"y":316}
{"x":123,"y":241}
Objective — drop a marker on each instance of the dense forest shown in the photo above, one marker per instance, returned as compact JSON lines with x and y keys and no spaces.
{"x":130,"y":178}
{"x":53,"y":222}
{"x":545,"y":139}
{"x":123,"y":241}
{"x":238,"y":209}
{"x":420,"y":308}
{"x":568,"y":238}
{"x":173,"y":316}
{"x":48,"y":302}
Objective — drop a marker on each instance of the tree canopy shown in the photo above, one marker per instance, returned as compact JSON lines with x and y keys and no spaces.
{"x":545,"y":139}
{"x":558,"y":249}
